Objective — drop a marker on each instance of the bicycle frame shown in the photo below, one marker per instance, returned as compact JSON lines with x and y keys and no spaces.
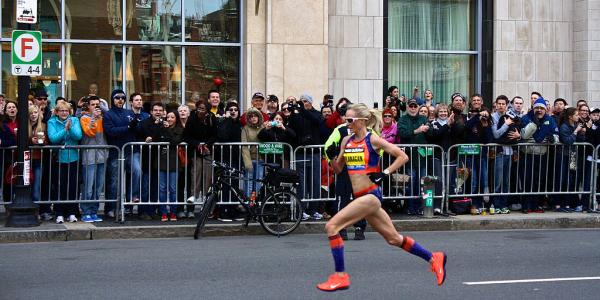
{"x":220,"y":183}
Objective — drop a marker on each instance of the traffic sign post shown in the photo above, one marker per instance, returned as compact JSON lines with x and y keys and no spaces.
{"x":26,"y":53}
{"x":27,"y":50}
{"x":26,"y":11}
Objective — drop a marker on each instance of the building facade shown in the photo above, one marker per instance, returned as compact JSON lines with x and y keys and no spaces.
{"x":177,"y":50}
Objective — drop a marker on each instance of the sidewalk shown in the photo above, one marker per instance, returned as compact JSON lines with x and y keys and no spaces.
{"x":49,"y":231}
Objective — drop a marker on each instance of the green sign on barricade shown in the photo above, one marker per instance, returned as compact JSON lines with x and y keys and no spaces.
{"x":469,"y":149}
{"x":270,"y":148}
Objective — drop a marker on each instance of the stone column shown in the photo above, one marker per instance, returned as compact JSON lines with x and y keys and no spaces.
{"x":286,"y":48}
{"x":356,"y":50}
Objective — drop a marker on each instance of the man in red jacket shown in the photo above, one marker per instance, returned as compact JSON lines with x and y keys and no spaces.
{"x":258,"y":101}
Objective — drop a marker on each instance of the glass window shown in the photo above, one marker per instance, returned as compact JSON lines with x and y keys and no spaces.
{"x":95,"y":20}
{"x":89,"y":64}
{"x":212,"y":21}
{"x":154,"y":72}
{"x":157,"y":20}
{"x":444,"y":74}
{"x":51,"y":69}
{"x":48,"y":18}
{"x":431,"y":25}
{"x":211,"y":68}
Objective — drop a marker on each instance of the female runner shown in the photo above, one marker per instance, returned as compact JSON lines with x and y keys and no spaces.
{"x":360,"y":154}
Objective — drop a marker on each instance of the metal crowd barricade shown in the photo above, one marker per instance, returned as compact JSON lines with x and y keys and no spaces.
{"x":144,"y":168}
{"x":316,"y":175}
{"x":7,"y":161}
{"x":233,"y":154}
{"x":404,"y":184}
{"x":50,"y":177}
{"x":482,"y":172}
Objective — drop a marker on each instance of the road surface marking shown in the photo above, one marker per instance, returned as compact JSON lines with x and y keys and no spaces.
{"x":531,"y":280}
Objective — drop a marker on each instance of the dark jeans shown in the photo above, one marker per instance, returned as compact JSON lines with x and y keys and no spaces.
{"x":533,"y":172}
{"x":66,"y":181}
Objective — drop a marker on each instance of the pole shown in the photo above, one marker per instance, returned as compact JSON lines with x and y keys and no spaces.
{"x":22,"y":212}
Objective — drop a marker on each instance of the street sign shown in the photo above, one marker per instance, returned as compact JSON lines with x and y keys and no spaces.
{"x":26,"y":11}
{"x":26,"y":53}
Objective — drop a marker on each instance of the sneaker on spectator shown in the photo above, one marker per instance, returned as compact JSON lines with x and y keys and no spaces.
{"x":317,"y":216}
{"x":46,"y":217}
{"x":505,"y":211}
{"x":164,"y":218}
{"x":437,"y":211}
{"x":87,"y":219}
{"x":96,"y":218}
{"x":111,"y":214}
{"x":60,"y":220}
{"x":181,"y":214}
{"x":305,"y":216}
{"x":359,"y":234}
{"x":224,"y":219}
{"x":172,"y":217}
{"x":191,"y":214}
{"x":72,"y":218}
{"x":578,"y":208}
{"x":135,"y":200}
{"x":191,"y":199}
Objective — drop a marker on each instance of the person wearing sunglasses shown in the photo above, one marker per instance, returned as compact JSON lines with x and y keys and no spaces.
{"x":229,"y":130}
{"x":360,"y":154}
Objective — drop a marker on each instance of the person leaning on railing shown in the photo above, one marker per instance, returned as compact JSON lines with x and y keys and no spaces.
{"x":538,"y":127}
{"x":93,"y":160}
{"x":592,"y":136}
{"x":570,"y":132}
{"x":64,"y":129}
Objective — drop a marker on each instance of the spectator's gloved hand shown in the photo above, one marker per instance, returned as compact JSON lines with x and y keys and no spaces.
{"x":377,"y":177}
{"x":133,"y":123}
{"x":332,"y":151}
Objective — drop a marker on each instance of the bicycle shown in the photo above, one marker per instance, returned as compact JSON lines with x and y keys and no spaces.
{"x":276,"y":207}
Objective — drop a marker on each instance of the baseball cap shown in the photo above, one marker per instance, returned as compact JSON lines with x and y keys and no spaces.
{"x":412,"y":101}
{"x":594,"y":109}
{"x":258,"y":95}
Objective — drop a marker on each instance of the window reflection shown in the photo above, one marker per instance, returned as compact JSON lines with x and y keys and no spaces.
{"x":51,"y":72}
{"x":95,"y":20}
{"x":212,"y":21}
{"x":154,"y":72}
{"x":204,"y":65}
{"x":87,"y":64}
{"x":444,"y":74}
{"x":48,"y":18}
{"x":157,"y":20}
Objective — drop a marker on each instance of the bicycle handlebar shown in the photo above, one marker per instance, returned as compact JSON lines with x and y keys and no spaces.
{"x":225,"y":167}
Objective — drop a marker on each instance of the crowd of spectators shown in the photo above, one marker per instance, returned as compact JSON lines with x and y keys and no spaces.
{"x":179,"y":176}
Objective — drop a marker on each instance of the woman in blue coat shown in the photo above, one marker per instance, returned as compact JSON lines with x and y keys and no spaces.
{"x":64,"y":129}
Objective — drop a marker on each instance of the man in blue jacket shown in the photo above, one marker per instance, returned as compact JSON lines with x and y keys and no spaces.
{"x":539,"y":128}
{"x":120,"y":127}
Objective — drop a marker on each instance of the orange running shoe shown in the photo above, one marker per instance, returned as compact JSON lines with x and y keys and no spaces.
{"x":438,"y":266}
{"x":335,"y":282}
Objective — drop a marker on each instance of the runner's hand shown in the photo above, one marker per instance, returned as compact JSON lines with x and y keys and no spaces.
{"x":377,"y":177}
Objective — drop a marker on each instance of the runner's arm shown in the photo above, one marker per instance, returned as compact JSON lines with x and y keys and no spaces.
{"x":401,"y":157}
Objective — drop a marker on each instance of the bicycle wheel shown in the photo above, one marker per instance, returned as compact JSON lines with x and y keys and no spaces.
{"x":280,"y":213}
{"x":208,"y":207}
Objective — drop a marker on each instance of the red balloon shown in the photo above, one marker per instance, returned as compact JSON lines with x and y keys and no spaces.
{"x":217,"y":81}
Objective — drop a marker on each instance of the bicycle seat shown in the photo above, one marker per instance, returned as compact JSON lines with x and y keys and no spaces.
{"x":272,"y":166}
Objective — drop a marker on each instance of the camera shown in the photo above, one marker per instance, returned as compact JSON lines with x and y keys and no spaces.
{"x":273,"y":123}
{"x":160,"y":120}
{"x":511,"y":114}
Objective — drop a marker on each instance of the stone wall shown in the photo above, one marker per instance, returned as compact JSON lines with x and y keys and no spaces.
{"x":586,"y":55}
{"x":286,"y":48}
{"x":533,"y":49}
{"x":356,"y":50}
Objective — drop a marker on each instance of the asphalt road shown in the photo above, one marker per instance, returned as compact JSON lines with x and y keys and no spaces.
{"x":265,"y":267}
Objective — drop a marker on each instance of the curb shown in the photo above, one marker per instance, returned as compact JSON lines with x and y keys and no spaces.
{"x":72,"y":233}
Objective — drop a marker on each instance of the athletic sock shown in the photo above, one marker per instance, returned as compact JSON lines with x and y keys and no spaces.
{"x":337,"y":250}
{"x":409,"y":245}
